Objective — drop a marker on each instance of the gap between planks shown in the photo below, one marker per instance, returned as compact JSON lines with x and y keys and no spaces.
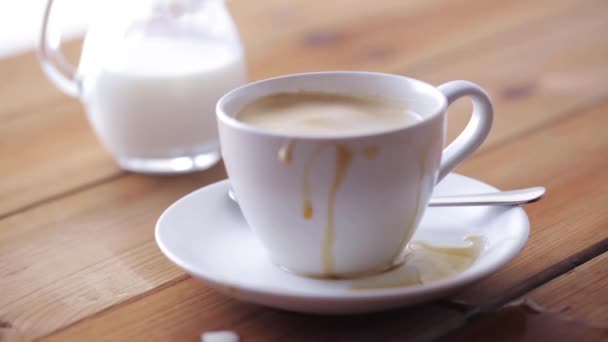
{"x":545,"y":276}
{"x":521,"y":290}
{"x":58,"y":196}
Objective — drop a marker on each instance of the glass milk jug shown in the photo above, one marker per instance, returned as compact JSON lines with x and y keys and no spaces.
{"x":149,"y":76}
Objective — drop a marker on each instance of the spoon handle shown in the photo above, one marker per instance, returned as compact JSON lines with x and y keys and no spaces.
{"x":512,"y":197}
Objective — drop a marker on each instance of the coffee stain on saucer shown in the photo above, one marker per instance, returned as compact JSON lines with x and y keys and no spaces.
{"x":426,"y":263}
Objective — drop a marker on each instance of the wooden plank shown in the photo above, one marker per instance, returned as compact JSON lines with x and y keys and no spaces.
{"x":99,"y":244}
{"x":534,"y":75}
{"x":572,"y":307}
{"x":190,"y":309}
{"x":560,"y":228}
{"x":566,"y":159}
{"x":315,"y":37}
{"x":130,"y":207}
{"x":45,"y":152}
{"x":387,"y":35}
{"x":77,"y":255}
{"x":47,"y":148}
{"x":581,"y":293}
{"x":25,"y":87}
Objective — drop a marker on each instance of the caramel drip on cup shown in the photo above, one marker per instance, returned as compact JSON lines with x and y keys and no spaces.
{"x":286,"y":156}
{"x":286,"y":152}
{"x":307,"y":207}
{"x":371,"y":152}
{"x":344,"y":157}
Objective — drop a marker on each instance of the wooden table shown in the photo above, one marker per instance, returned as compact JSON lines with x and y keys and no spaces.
{"x":78,"y":261}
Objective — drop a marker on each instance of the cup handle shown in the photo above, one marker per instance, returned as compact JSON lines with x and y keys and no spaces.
{"x":476,"y":130}
{"x":53,"y":62}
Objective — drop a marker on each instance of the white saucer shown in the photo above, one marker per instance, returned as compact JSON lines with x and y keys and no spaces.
{"x":205,"y":234}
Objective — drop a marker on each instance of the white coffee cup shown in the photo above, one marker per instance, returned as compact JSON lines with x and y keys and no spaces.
{"x":365,"y":208}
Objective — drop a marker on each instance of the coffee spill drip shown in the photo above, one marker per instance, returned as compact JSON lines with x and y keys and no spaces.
{"x":307,"y":208}
{"x":371,"y":152}
{"x":285,"y":156}
{"x":286,"y":152}
{"x":426,"y":263}
{"x":344,"y":158}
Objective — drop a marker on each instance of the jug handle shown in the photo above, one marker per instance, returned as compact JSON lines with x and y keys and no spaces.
{"x":53,"y":62}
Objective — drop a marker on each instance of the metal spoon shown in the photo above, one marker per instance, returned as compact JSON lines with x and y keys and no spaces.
{"x":511,"y":197}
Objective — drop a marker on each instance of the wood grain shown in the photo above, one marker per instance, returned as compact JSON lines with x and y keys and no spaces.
{"x":565,"y":158}
{"x":573,"y":307}
{"x":581,"y":294}
{"x":46,"y":145}
{"x":77,"y":255}
{"x":65,"y":260}
{"x":142,"y":195}
{"x":185,"y":310}
{"x":559,"y":227}
{"x":418,"y":31}
{"x":47,"y":151}
{"x":534,"y":75}
{"x":310,"y":35}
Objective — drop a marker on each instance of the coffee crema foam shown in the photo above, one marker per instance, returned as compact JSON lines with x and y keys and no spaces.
{"x":327,"y":114}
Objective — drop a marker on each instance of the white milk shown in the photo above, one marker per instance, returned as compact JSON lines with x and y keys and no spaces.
{"x":156,"y":98}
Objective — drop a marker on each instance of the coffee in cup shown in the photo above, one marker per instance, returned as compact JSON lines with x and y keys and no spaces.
{"x":326,"y":114}
{"x":334,"y":170}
